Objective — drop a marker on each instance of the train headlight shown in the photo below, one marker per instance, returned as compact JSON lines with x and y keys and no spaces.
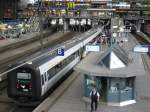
{"x":29,"y":62}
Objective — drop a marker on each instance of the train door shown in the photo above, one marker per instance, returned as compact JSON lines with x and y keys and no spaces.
{"x":42,"y":83}
{"x":45,"y":81}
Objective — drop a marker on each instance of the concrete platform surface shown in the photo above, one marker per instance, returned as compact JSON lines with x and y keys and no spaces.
{"x":71,"y":101}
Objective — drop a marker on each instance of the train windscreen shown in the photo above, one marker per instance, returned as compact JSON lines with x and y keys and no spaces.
{"x":24,"y":82}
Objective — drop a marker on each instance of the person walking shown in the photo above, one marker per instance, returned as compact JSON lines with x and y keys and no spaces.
{"x":94,"y":99}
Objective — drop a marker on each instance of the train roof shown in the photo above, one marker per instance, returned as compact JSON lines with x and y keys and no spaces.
{"x":49,"y":54}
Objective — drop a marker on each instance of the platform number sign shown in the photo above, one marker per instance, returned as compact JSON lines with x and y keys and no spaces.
{"x":60,"y":52}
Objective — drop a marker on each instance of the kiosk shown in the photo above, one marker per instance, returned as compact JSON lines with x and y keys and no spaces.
{"x":114,"y":73}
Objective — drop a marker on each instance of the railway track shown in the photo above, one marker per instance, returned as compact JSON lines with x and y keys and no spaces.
{"x":140,"y":39}
{"x":35,"y":37}
{"x":18,"y":54}
{"x":21,"y":43}
{"x":15,"y":108}
{"x":21,"y":109}
{"x":146,"y":65}
{"x":10,"y":106}
{"x":143,"y":41}
{"x":33,"y":51}
{"x":6,"y":104}
{"x":22,"y":56}
{"x":57,"y":89}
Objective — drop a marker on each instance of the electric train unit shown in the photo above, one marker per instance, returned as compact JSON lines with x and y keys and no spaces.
{"x":32,"y":81}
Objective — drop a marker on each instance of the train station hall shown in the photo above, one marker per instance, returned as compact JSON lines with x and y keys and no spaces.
{"x":74,"y":55}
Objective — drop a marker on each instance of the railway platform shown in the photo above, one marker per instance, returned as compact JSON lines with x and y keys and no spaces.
{"x":72,"y":100}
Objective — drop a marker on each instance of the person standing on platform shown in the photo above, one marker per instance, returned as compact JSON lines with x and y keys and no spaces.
{"x":94,"y":99}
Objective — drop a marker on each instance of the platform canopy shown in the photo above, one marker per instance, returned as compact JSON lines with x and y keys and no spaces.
{"x":115,"y":62}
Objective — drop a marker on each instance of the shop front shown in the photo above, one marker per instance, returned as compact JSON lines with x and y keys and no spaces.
{"x":114,"y":91}
{"x":121,"y":91}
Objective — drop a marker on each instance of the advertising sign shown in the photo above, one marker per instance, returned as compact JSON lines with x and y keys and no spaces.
{"x":141,"y":48}
{"x":95,"y":48}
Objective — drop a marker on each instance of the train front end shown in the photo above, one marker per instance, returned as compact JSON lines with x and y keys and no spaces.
{"x":23,"y":83}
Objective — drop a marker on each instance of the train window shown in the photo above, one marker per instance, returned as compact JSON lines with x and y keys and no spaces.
{"x":61,"y":65}
{"x":76,"y":54}
{"x":51,"y":73}
{"x":23,"y":75}
{"x":58,"y":68}
{"x":49,"y":76}
{"x":42,"y":77}
{"x":24,"y":83}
